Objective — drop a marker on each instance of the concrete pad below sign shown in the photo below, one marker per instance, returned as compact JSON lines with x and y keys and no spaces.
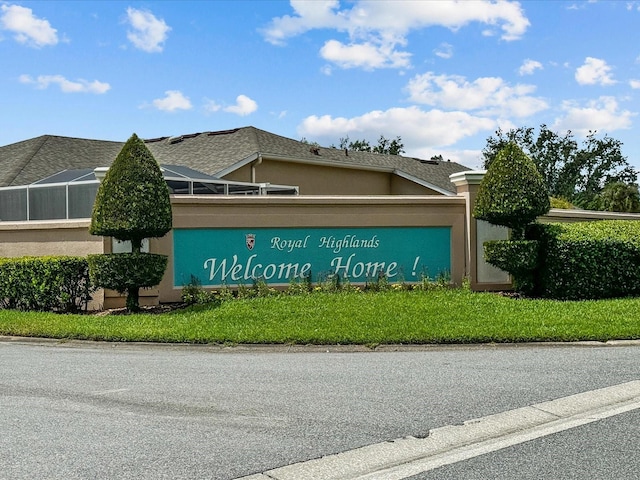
{"x":406,"y":457}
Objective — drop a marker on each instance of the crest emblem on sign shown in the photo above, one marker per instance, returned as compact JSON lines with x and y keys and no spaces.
{"x":250,"y":239}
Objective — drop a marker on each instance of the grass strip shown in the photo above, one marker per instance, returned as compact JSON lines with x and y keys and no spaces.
{"x":439,"y":316}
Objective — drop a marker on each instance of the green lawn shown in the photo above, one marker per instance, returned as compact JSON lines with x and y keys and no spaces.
{"x":415,"y":317}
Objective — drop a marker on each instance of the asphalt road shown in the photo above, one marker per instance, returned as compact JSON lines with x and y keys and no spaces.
{"x":83,"y":410}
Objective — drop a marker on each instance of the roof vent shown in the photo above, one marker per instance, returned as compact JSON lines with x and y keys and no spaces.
{"x":177,"y":139}
{"x":428,"y":162}
{"x":191,"y":135}
{"x":153,"y":140}
{"x":222,"y":132}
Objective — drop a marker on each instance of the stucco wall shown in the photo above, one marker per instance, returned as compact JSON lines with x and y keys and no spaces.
{"x":312,"y":212}
{"x":54,"y":237}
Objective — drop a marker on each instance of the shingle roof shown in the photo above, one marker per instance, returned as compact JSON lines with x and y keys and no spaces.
{"x":213,"y":153}
{"x":26,"y":162}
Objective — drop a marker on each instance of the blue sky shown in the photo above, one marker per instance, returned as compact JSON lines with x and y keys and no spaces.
{"x":441,"y":75}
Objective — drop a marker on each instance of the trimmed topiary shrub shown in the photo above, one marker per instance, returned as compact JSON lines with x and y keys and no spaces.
{"x":589,"y":260}
{"x":512,"y":193}
{"x":519,"y":258}
{"x":58,"y":284}
{"x":132,"y":204}
{"x":512,"y":255}
{"x":122,"y":271}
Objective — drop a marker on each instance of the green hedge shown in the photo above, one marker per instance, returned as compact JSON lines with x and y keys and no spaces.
{"x":517,"y":257}
{"x":123,"y":271}
{"x":45,"y":283}
{"x":588,"y":260}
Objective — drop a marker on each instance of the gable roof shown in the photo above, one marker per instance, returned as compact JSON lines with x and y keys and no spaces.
{"x":213,"y":153}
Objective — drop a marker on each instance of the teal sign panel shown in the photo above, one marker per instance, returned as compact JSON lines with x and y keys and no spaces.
{"x":232,"y":256}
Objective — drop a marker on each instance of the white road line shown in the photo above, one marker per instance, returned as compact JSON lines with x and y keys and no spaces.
{"x":410,"y":456}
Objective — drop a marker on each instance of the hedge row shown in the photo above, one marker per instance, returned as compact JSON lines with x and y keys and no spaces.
{"x":45,"y":283}
{"x":588,"y":260}
{"x":573,"y":261}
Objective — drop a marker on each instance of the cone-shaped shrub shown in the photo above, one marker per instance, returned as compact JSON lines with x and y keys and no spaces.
{"x":132,"y":204}
{"x":512,"y":193}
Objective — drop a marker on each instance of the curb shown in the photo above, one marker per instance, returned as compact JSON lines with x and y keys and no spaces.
{"x":284,"y":348}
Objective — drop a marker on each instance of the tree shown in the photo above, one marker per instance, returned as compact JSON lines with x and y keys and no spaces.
{"x":357,"y":145}
{"x":307,"y":142}
{"x":619,"y":197}
{"x":132,"y":204}
{"x":512,"y":193}
{"x":601,"y":163}
{"x":576,"y":173}
{"x":389,"y":147}
{"x":561,"y":203}
{"x":385,"y":146}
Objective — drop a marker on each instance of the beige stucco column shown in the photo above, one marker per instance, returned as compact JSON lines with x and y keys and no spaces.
{"x":482,"y":275}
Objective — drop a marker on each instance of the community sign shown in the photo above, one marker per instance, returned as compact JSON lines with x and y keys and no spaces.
{"x":278,"y":256}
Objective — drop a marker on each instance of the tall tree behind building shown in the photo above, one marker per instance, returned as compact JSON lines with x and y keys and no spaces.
{"x":577,"y":173}
{"x":385,"y":146}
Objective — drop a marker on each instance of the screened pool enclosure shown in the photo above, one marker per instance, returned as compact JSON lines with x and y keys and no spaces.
{"x":70,"y":194}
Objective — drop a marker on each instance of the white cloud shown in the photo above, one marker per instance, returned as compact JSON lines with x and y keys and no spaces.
{"x":364,"y":55}
{"x":529,"y":67}
{"x":309,"y":15}
{"x":67,"y":86}
{"x":601,"y":114}
{"x":488,"y":95}
{"x":633,"y":5}
{"x":595,"y":71}
{"x":635,"y":84}
{"x":444,"y":50}
{"x":398,"y":17}
{"x":244,"y":106}
{"x":376,"y":29}
{"x":173,"y":100}
{"x":470,"y":158}
{"x":416,"y":127}
{"x":278,"y":115}
{"x":27,"y":28}
{"x":148,"y":33}
{"x":211,"y":106}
